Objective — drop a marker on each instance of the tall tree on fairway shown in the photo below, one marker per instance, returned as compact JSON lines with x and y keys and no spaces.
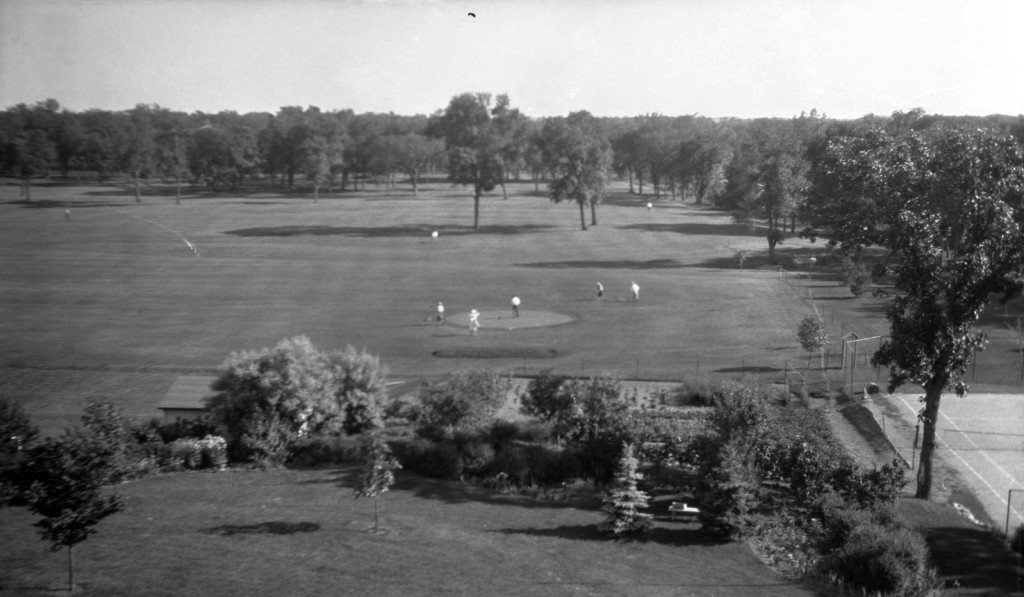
{"x":140,"y":149}
{"x":34,"y":154}
{"x":63,"y":483}
{"x":624,"y":499}
{"x":581,"y":159}
{"x":378,"y":474}
{"x":474,"y":146}
{"x":954,"y":231}
{"x":414,"y":153}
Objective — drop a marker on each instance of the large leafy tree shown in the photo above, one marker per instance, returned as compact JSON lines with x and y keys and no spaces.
{"x":324,"y":157}
{"x":139,"y":150}
{"x":474,"y":144}
{"x":954,"y":231}
{"x":415,"y":153}
{"x":581,"y":159}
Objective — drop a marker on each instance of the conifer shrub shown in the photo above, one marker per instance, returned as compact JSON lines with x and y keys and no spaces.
{"x":624,"y":500}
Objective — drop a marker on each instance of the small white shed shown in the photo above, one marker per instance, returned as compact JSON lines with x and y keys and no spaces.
{"x":186,"y":399}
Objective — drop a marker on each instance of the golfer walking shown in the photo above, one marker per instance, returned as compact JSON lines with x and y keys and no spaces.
{"x":474,"y":321}
{"x":515,"y":307}
{"x":634,"y":289}
{"x":600,"y":292}
{"x":440,"y":312}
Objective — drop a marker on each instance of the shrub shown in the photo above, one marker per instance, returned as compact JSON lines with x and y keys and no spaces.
{"x":856,"y":276}
{"x":461,"y":400}
{"x":16,"y":429}
{"x":105,"y":424}
{"x":361,"y":389}
{"x":727,"y":489}
{"x":741,"y":410}
{"x":887,"y":560}
{"x":1017,"y":542}
{"x":624,"y":499}
{"x":698,"y":391}
{"x":193,"y":453}
{"x":177,"y":429}
{"x":267,"y":439}
{"x":439,"y":460}
{"x":17,"y":433}
{"x":318,"y":450}
{"x":310,"y":391}
{"x":544,"y":398}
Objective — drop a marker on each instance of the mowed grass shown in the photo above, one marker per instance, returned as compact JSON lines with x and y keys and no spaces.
{"x":115,"y":291}
{"x":291,"y":532}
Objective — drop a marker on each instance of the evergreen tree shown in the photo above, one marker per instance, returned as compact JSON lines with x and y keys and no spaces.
{"x":378,"y":474}
{"x":624,"y":500}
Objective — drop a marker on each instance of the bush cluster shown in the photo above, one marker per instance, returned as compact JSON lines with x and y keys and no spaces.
{"x":872,"y":549}
{"x":459,"y":403}
{"x":192,"y":453}
{"x":698,"y":391}
{"x":749,"y":441}
{"x":267,"y":399}
{"x":856,"y":276}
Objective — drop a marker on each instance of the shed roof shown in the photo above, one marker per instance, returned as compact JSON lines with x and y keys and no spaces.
{"x":188,"y":392}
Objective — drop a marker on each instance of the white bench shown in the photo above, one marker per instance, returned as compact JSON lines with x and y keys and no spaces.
{"x":681,"y":509}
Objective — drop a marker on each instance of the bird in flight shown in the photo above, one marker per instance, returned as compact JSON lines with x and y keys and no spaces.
{"x":472,"y":14}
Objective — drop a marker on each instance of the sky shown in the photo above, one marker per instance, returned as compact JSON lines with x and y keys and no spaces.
{"x":739,"y":58}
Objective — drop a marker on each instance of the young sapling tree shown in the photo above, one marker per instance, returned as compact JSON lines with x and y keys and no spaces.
{"x":378,"y":474}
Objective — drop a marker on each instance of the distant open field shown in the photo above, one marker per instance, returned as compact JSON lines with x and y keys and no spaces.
{"x":105,"y":297}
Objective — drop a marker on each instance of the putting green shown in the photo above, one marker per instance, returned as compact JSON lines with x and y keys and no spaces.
{"x":503,"y":320}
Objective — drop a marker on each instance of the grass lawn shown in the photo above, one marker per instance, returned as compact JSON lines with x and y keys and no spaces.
{"x":295,"y":532}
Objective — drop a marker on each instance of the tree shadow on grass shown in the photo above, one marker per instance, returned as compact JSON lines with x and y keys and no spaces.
{"x":275,"y":527}
{"x":607,"y":264}
{"x":408,"y":231}
{"x":692,"y":228}
{"x":676,"y":537}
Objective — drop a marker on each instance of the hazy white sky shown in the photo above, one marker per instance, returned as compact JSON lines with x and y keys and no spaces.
{"x":740,"y":58}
